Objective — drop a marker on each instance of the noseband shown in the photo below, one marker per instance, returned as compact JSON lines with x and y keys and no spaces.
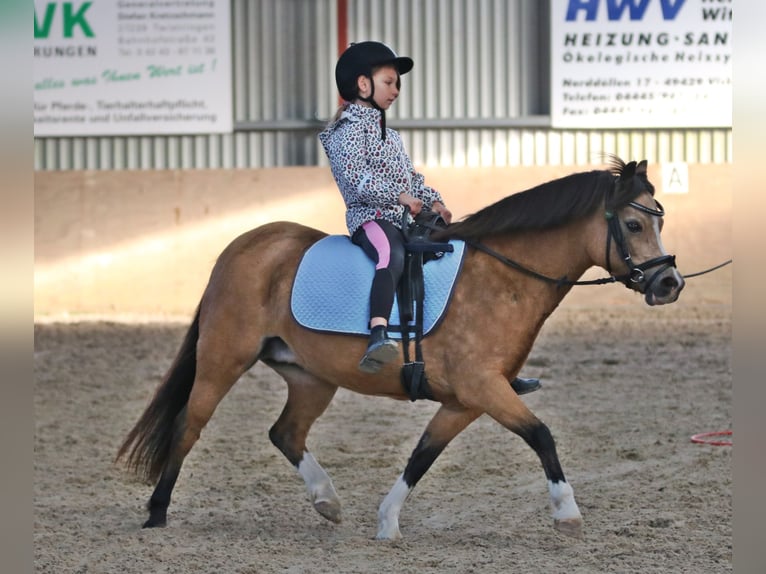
{"x":636,"y":272}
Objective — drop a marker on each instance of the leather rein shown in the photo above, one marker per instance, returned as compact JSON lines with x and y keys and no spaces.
{"x":636,"y":272}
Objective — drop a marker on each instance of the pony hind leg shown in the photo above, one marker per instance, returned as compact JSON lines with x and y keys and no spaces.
{"x":219,"y":365}
{"x":446,"y":424}
{"x":205,"y":396}
{"x":159,"y":501}
{"x":151,"y":447}
{"x":307,"y":398}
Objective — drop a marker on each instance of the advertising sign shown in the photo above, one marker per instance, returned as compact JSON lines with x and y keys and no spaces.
{"x":128,"y":67}
{"x":641,"y":63}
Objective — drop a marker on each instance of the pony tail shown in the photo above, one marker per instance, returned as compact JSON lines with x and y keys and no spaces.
{"x":148,"y":445}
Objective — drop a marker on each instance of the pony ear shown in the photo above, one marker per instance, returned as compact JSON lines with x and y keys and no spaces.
{"x":628,"y":171}
{"x":641,"y":168}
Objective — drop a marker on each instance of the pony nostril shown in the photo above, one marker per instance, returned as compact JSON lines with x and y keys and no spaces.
{"x":669,"y":283}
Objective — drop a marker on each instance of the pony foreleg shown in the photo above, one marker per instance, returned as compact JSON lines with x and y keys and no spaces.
{"x":507,"y":409}
{"x":566,"y":515}
{"x":446,"y":424}
{"x":388,"y":512}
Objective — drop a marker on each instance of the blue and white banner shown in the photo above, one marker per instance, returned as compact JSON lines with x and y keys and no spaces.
{"x":130,"y":67}
{"x":641,"y":63}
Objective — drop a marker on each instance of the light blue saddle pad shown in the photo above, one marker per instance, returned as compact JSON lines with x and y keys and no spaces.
{"x":331,"y":292}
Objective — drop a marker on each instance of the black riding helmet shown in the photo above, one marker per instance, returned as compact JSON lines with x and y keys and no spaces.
{"x":359,"y":60}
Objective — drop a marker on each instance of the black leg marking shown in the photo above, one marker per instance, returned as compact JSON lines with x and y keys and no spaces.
{"x":282,"y":441}
{"x":539,"y":438}
{"x":160,"y":500}
{"x":421,"y":460}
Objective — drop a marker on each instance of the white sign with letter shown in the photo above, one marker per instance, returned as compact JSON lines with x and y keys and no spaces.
{"x":129,"y":67}
{"x":675,"y":177}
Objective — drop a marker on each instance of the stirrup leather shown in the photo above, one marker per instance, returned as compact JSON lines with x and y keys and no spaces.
{"x":411,"y":293}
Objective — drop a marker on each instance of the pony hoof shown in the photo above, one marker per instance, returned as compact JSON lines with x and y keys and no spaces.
{"x":158,"y":517}
{"x":385,"y":535}
{"x":329,"y":509}
{"x":154,"y":523}
{"x":569,"y":527}
{"x":388,"y":529}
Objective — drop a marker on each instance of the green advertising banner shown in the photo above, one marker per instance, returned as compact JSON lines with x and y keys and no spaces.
{"x":125,"y":67}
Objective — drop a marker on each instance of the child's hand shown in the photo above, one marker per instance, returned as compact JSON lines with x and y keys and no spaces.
{"x":439,"y":208}
{"x":412,"y":202}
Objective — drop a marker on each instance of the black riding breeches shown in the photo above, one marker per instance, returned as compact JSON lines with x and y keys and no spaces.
{"x":383,"y":242}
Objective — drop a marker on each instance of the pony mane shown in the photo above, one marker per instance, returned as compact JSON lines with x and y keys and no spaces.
{"x":554,"y":203}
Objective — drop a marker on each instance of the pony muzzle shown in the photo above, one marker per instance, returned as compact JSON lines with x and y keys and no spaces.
{"x":664,"y":286}
{"x":658,"y":288}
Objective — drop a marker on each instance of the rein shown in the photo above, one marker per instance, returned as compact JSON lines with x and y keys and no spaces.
{"x":560,"y":282}
{"x":563,"y":280}
{"x":636,"y":273}
{"x":698,"y":273}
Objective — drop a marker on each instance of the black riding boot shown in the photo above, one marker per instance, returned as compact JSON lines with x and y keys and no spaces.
{"x":380,"y":350}
{"x":523,"y":386}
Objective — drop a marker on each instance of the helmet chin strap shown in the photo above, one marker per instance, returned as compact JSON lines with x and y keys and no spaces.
{"x":370,"y":99}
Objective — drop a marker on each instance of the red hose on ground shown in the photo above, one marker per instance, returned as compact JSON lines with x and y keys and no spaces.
{"x":704,"y":438}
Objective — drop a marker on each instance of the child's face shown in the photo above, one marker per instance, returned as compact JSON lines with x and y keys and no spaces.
{"x":385,"y":79}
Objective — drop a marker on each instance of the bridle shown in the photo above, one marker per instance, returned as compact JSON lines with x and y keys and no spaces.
{"x":636,"y":272}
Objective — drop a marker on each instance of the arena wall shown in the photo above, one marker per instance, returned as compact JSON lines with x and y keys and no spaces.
{"x":142,"y":243}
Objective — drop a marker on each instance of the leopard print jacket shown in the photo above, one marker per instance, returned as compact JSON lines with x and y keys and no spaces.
{"x":371,"y":172}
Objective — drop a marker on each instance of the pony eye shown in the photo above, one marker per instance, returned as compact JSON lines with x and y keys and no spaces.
{"x":634,"y":226}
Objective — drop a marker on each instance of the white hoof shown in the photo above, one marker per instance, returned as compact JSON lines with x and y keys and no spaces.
{"x":571,"y":527}
{"x":325,"y":500}
{"x":330,"y":509}
{"x":320,"y":489}
{"x":566,"y":515}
